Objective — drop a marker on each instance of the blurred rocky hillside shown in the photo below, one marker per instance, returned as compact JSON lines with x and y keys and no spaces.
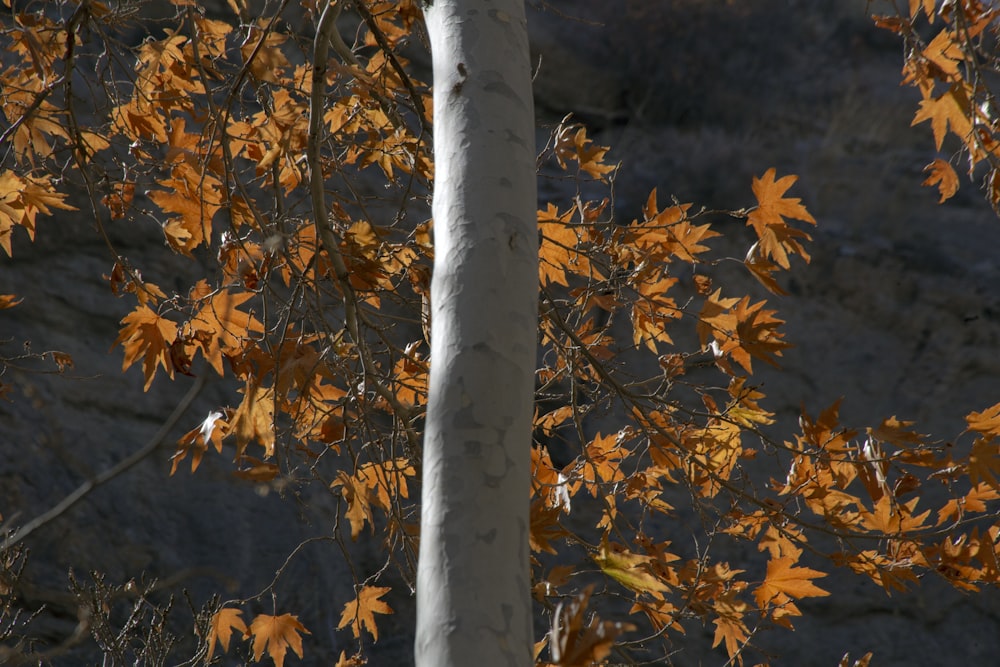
{"x":899,"y":312}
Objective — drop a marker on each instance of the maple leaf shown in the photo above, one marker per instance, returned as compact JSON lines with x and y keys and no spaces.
{"x":984,"y":462}
{"x":544,"y":527}
{"x":576,"y":146}
{"x":986,"y":422}
{"x":145,"y":334}
{"x":946,"y":54}
{"x":950,"y":111}
{"x":973,"y":501}
{"x":276,"y":634}
{"x":891,"y":517}
{"x":784,"y":577}
{"x":352,"y":661}
{"x":864,"y":660}
{"x":559,"y":251}
{"x":196,"y":441}
{"x":219,"y":328}
{"x":253,"y":420}
{"x":355,"y":493}
{"x":549,"y":422}
{"x":579,"y":637}
{"x":21,"y":200}
{"x":761,"y":268}
{"x":386,"y":480}
{"x":260,"y":51}
{"x":757,"y":333}
{"x":895,"y":431}
{"x":604,"y":455}
{"x":741,"y":330}
{"x":629,"y":569}
{"x":777,"y":239}
{"x":192,"y":199}
{"x":652,"y":311}
{"x":942,"y":174}
{"x":360,"y":612}
{"x":926,"y":5}
{"x":9,"y":301}
{"x":221,"y":629}
{"x":729,"y":625}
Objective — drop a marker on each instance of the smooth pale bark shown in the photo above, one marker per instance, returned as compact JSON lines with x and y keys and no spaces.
{"x":473,"y":581}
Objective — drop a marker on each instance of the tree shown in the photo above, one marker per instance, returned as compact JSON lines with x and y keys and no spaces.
{"x":293,"y":171}
{"x":473,"y":583}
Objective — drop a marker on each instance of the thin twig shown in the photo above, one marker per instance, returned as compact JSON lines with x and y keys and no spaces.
{"x":109,"y":474}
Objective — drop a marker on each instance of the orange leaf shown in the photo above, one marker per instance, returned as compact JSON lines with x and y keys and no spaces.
{"x":9,"y":301}
{"x":986,"y":422}
{"x":578,"y":636}
{"x":360,"y":612}
{"x":223,"y":623}
{"x":265,"y":59}
{"x":146,"y":334}
{"x":944,"y":177}
{"x":558,"y":252}
{"x":219,"y":328}
{"x":196,"y":441}
{"x":926,"y":5}
{"x":276,"y":634}
{"x":359,"y":508}
{"x":730,"y":628}
{"x":946,"y":53}
{"x":950,"y":111}
{"x":984,"y":463}
{"x":783,"y":577}
{"x":761,"y":268}
{"x":777,"y":239}
{"x":254,"y":419}
{"x":21,"y":200}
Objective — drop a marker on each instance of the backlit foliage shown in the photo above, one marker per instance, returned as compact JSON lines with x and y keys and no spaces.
{"x":952,"y":60}
{"x":294,"y":175}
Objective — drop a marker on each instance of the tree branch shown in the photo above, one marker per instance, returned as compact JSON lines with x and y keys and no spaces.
{"x":109,"y":474}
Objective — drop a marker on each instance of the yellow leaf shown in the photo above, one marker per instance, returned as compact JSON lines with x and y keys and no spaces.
{"x":629,"y":569}
{"x":223,"y":623}
{"x":783,"y":577}
{"x":360,"y":612}
{"x":276,"y":634}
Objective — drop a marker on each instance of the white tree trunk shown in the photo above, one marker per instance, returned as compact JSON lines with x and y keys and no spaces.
{"x":473,"y":581}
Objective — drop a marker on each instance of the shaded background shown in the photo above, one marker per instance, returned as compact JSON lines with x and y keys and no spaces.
{"x":899,"y":312}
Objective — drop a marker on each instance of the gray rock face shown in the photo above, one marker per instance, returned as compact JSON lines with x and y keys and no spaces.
{"x":899,"y":312}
